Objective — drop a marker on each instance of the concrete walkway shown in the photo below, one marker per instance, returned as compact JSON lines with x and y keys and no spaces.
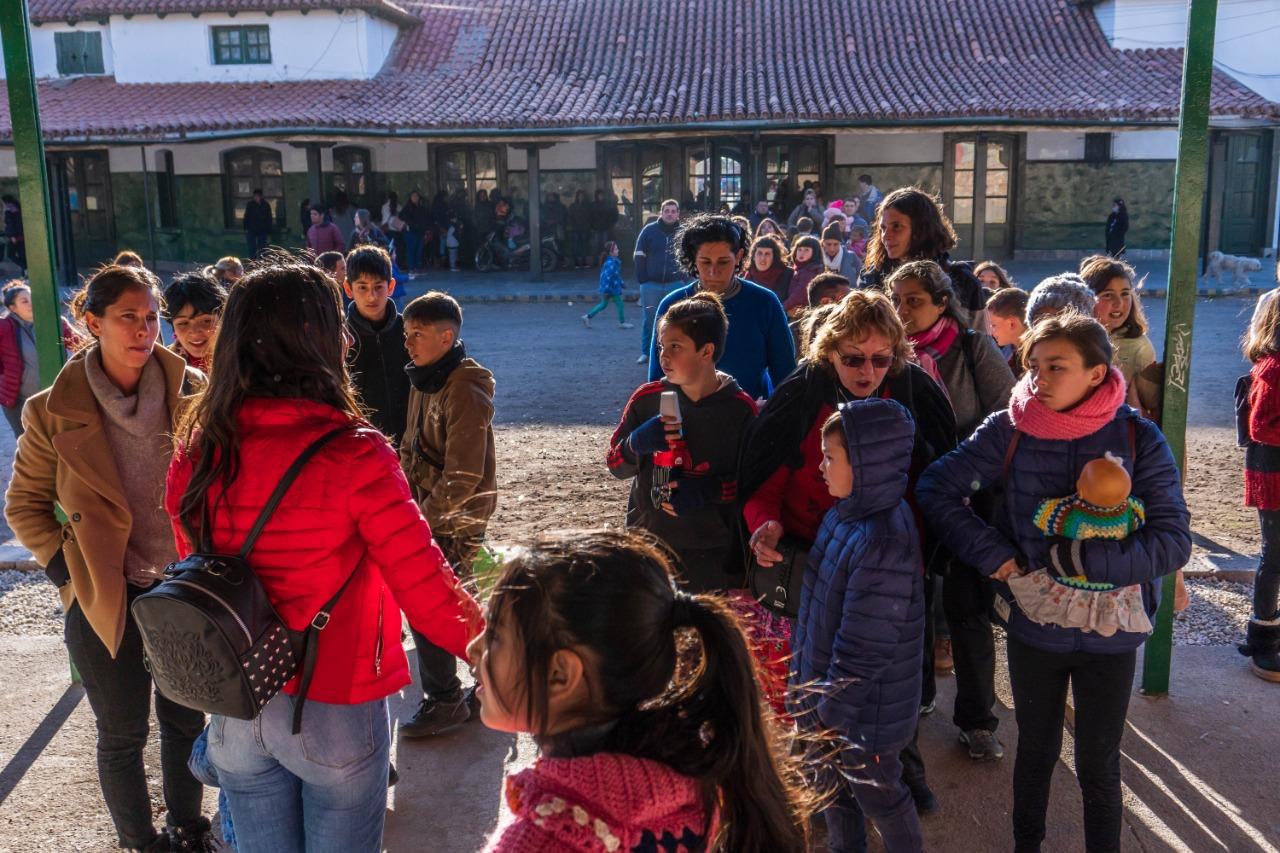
{"x":1198,"y":770}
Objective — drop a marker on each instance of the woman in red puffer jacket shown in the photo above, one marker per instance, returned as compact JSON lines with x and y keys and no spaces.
{"x":280,"y":383}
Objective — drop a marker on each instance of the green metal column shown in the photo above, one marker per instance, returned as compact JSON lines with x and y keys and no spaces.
{"x":1188,"y":204}
{"x":33,"y":184}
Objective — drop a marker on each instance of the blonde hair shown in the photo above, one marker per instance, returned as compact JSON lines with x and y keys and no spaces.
{"x":856,"y":316}
{"x":1262,"y":338}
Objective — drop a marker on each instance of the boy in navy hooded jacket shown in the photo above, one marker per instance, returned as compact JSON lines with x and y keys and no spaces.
{"x":859,"y":635}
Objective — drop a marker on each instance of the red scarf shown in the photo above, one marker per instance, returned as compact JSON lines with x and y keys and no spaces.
{"x":1091,"y":414}
{"x":932,"y":344}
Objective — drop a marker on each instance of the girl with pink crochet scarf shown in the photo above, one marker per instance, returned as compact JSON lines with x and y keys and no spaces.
{"x":1066,"y":412}
{"x":648,"y":739}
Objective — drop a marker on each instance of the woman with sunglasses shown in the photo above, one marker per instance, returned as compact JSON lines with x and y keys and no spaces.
{"x":860,"y":351}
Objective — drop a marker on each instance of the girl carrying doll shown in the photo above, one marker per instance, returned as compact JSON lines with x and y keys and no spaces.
{"x":1067,"y":411}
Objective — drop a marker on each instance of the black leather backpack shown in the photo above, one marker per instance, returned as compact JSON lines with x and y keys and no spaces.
{"x":211,"y":638}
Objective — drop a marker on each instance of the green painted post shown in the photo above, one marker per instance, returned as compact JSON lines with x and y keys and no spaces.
{"x":1189,"y":185}
{"x":33,"y":184}
{"x":33,"y":192}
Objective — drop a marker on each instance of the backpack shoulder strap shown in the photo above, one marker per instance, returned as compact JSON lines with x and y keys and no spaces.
{"x":1008,"y":458}
{"x":283,"y":486}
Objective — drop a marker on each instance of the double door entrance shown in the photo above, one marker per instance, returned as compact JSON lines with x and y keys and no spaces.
{"x":979,"y":193}
{"x":83,"y":222}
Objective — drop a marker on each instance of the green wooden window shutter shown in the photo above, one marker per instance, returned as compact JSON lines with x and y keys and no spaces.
{"x":93,"y":53}
{"x":79,"y":52}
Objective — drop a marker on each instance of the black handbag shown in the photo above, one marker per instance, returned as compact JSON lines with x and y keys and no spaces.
{"x":212,"y":639}
{"x":778,"y":587}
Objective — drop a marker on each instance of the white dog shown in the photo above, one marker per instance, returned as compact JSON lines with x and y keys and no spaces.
{"x":1238,"y":267}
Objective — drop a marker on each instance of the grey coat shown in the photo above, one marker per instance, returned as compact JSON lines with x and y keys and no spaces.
{"x":978,"y":390}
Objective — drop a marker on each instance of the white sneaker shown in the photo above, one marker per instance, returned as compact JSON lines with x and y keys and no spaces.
{"x":626,"y":325}
{"x":644,"y":359}
{"x":586,"y":321}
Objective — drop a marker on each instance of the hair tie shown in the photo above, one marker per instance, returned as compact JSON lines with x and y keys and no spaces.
{"x":683,"y":606}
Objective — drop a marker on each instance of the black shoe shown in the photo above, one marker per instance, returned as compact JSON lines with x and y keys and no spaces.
{"x":982,"y":744}
{"x":392,"y":776}
{"x":1263,"y":648}
{"x":435,"y":716}
{"x":159,"y":844}
{"x":926,"y":710}
{"x":926,"y":802}
{"x":195,"y":837}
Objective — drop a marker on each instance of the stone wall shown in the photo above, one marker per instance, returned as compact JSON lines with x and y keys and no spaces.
{"x":1065,"y":204}
{"x":927,"y":176}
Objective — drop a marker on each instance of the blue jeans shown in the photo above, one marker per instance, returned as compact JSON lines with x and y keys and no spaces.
{"x":322,"y":791}
{"x":256,"y":243}
{"x":651,"y":293}
{"x":877,"y":791}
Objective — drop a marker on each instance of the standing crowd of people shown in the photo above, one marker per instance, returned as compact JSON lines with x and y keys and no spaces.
{"x":836,"y":493}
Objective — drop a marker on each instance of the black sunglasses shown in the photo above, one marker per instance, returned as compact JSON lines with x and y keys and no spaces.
{"x":879,"y":362}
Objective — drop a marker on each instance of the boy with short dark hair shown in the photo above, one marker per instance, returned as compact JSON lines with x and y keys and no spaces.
{"x":827,"y":288}
{"x":377,"y":357}
{"x":448,"y":455}
{"x":1007,"y":309}
{"x":684,"y":475}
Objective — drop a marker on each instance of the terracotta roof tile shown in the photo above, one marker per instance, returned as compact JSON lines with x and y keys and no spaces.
{"x":63,"y":10}
{"x":554,"y":64}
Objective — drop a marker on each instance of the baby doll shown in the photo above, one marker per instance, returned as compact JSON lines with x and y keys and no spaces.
{"x":1101,"y":508}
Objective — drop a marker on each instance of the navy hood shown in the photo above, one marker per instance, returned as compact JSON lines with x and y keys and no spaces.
{"x":879,"y":433}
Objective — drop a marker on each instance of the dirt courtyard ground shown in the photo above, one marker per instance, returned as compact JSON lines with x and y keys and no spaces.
{"x":560,"y":389}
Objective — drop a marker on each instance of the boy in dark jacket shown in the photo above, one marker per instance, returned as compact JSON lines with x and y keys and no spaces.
{"x":377,"y":357}
{"x":447,"y":453}
{"x":859,"y":636}
{"x":684,"y":473}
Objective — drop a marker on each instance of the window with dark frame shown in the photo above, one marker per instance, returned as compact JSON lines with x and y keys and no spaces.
{"x":247,"y":169}
{"x":351,"y":168}
{"x":241,"y":45}
{"x":1097,"y":147}
{"x":166,"y":190}
{"x":78,"y":52}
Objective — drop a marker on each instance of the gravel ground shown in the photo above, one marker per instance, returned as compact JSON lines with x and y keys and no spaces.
{"x":1217,"y":616}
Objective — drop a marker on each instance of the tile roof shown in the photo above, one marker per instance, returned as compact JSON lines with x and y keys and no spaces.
{"x":47,"y":11}
{"x":548,"y":65}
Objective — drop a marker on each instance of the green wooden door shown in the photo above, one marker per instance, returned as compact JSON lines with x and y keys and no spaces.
{"x":88,"y":204}
{"x":1244,"y":192}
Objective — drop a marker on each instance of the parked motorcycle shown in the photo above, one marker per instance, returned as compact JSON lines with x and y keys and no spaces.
{"x":494,"y":254}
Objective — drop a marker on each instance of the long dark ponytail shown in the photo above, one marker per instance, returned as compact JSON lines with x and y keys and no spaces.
{"x":673,"y":674}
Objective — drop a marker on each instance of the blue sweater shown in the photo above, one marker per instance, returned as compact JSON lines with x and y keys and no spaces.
{"x":759,"y":351}
{"x":859,"y":635}
{"x":1048,"y":468}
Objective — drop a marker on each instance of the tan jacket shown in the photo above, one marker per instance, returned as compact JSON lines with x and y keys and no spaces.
{"x":447,"y":452}
{"x":64,"y":461}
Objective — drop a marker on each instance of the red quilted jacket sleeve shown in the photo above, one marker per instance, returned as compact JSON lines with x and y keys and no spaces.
{"x":400,"y":543}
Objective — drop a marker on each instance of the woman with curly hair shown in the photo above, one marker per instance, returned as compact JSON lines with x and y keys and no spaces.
{"x":758,"y":352}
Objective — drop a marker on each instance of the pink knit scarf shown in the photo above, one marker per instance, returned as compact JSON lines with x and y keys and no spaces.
{"x":1033,"y":417}
{"x":932,"y":344}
